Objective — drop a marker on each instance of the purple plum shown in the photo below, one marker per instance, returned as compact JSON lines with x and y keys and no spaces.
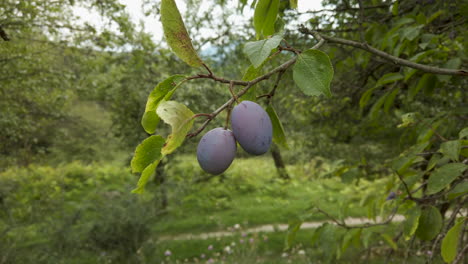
{"x":252,"y":127}
{"x":216,"y":150}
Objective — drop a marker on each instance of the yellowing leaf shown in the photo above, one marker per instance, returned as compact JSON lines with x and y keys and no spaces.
{"x":176,"y":34}
{"x":179,"y":117}
{"x":450,"y":242}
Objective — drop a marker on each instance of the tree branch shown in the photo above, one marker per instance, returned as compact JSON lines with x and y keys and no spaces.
{"x":283,"y":67}
{"x":386,"y":56}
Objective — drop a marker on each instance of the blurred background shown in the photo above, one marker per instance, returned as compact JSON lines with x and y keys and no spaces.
{"x":74,"y":80}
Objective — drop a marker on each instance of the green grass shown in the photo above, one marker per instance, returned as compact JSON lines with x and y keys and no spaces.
{"x":250,"y":194}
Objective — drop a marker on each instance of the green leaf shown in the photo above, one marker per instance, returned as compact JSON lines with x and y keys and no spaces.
{"x":293,"y":4}
{"x":443,"y":176}
{"x":313,"y":72}
{"x":375,"y":110}
{"x":145,"y":176}
{"x":450,"y":242}
{"x":411,"y":33}
{"x":293,"y":227}
{"x":179,"y":117}
{"x":389,"y":78}
{"x":176,"y":34}
{"x":147,"y":152}
{"x":430,"y":223}
{"x":390,"y":241}
{"x":427,"y":81}
{"x":366,"y":97}
{"x":463,"y":133}
{"x":411,"y":222}
{"x":258,"y":51}
{"x":278,"y":130}
{"x":459,"y":190}
{"x":351,"y":235}
{"x":395,"y":8}
{"x":451,"y":149}
{"x":162,"y":91}
{"x":265,"y":15}
{"x":450,"y":64}
{"x":390,"y":99}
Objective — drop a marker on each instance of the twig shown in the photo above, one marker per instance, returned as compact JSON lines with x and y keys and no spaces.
{"x":208,"y":69}
{"x":247,"y":85}
{"x":386,"y":56}
{"x":410,"y":196}
{"x":231,"y":86}
{"x":461,"y":255}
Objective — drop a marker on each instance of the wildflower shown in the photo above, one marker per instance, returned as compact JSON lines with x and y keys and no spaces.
{"x":210,"y":247}
{"x":233,"y":244}
{"x":244,"y":234}
{"x":284,"y":255}
{"x":251,"y":240}
{"x":301,"y":252}
{"x":429,"y":253}
{"x":236,"y":226}
{"x":167,"y":253}
{"x":210,"y":261}
{"x":228,"y":249}
{"x":241,"y":241}
{"x":202,"y":256}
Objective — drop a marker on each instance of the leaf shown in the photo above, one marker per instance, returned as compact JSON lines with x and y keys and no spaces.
{"x":265,"y":15}
{"x":430,"y":223}
{"x":395,"y":8}
{"x":463,"y":133}
{"x":146,"y":153}
{"x":163,"y":90}
{"x":411,"y":222}
{"x":351,"y":235}
{"x":278,"y":130}
{"x":411,"y":33}
{"x":460,"y":189}
{"x":179,"y":117}
{"x":450,"y":242}
{"x":389,"y":78}
{"x":293,"y":4}
{"x":390,"y":241}
{"x":313,"y":72}
{"x":390,"y":99}
{"x":451,"y":149}
{"x":427,"y":81}
{"x":258,"y":51}
{"x":374,"y":112}
{"x":176,"y":34}
{"x":366,"y":97}
{"x":145,"y":176}
{"x":293,"y":227}
{"x":450,"y":64}
{"x":443,"y":176}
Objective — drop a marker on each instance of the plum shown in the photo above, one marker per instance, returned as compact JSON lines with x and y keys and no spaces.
{"x":252,"y":127}
{"x":216,"y":150}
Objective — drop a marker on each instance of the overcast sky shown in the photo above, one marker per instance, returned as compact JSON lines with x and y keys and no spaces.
{"x":153,"y":25}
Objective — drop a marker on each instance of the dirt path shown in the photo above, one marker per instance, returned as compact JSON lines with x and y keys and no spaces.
{"x":273,"y":228}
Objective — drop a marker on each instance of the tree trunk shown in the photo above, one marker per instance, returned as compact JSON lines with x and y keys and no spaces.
{"x":279,"y":163}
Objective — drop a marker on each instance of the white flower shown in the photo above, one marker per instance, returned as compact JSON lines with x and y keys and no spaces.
{"x":236,"y":226}
{"x":301,"y":252}
{"x":284,"y":255}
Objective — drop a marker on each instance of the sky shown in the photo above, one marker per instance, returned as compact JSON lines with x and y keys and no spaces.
{"x":153,"y":25}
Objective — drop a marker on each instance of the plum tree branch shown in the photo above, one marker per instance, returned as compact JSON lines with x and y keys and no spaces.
{"x":384,"y":55}
{"x":247,"y":85}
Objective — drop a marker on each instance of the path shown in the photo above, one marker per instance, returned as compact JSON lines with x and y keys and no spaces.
{"x":273,"y":228}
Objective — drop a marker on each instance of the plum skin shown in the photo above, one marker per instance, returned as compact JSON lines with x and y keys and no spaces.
{"x":252,"y":127}
{"x":216,"y":150}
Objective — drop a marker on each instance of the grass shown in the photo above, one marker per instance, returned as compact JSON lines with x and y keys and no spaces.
{"x":251,"y":194}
